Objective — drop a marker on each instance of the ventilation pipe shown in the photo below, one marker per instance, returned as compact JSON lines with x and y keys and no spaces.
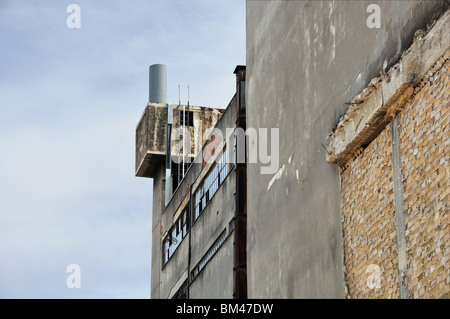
{"x":158,"y":83}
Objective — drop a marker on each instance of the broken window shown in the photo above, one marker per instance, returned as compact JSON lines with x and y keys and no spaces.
{"x":175,"y":235}
{"x":210,"y":185}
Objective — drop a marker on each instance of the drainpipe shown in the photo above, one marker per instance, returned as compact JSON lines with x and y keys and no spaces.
{"x":168,"y":185}
{"x":240,"y":214}
{"x":189,"y":244}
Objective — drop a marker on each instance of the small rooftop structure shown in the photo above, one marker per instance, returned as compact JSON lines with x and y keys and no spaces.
{"x":151,"y":133}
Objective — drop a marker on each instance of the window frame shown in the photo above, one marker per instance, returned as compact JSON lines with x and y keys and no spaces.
{"x":210,"y":185}
{"x":177,"y":231}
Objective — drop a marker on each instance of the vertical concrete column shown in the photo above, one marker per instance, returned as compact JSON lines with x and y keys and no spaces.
{"x":399,"y":213}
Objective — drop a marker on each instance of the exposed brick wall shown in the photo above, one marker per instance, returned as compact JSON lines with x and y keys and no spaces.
{"x":368,"y":220}
{"x":425,"y":153}
{"x":368,"y":213}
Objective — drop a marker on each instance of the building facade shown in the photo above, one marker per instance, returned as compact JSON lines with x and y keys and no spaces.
{"x":358,"y":206}
{"x":195,"y":220}
{"x":395,"y":176}
{"x":336,"y":231}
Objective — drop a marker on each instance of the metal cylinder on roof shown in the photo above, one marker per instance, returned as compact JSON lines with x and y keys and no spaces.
{"x":158,"y":83}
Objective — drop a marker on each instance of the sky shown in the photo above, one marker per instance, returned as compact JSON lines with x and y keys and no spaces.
{"x":70,"y":100}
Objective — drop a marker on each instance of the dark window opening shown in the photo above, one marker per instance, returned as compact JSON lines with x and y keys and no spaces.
{"x":187,"y":119}
{"x":177,"y":174}
{"x":181,"y":292}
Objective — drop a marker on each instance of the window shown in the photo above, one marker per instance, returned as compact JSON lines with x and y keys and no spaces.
{"x":198,"y":202}
{"x":187,"y":119}
{"x":235,"y":149}
{"x":209,"y":254}
{"x":181,"y":292}
{"x":211,"y":183}
{"x":205,"y":192}
{"x":175,"y":235}
{"x":177,"y":173}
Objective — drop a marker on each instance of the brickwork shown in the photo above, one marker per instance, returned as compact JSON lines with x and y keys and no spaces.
{"x":368,"y":212}
{"x":368,"y":221}
{"x":425,"y":153}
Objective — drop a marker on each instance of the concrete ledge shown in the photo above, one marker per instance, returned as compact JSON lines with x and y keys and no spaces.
{"x":152,"y":129}
{"x":373,"y":109}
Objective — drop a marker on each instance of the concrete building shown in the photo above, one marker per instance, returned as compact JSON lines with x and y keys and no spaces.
{"x":194,"y":213}
{"x":306,"y":62}
{"x":358,"y":204}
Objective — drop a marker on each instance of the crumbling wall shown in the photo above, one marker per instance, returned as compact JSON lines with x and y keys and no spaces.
{"x":368,"y":222}
{"x":368,"y":199}
{"x":425,"y":152}
{"x":305,"y":60}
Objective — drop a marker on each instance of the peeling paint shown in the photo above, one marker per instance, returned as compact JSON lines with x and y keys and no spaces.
{"x":276,"y":176}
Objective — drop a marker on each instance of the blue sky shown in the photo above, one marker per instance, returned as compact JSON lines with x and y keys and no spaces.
{"x":70,"y":100}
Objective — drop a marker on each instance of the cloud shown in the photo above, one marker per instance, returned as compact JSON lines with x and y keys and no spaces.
{"x":71,"y":99}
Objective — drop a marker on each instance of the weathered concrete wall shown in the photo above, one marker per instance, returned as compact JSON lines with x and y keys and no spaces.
{"x":204,"y":118}
{"x":376,"y":105}
{"x":305,"y":59}
{"x":158,"y":206}
{"x":152,"y":129}
{"x":216,"y":280}
{"x":150,"y":139}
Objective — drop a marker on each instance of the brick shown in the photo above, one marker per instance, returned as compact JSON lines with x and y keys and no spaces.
{"x":368,"y":199}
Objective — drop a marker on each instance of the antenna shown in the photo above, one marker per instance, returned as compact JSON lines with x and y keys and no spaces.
{"x":186,"y":122}
{"x":180,"y":124}
{"x":183,"y":122}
